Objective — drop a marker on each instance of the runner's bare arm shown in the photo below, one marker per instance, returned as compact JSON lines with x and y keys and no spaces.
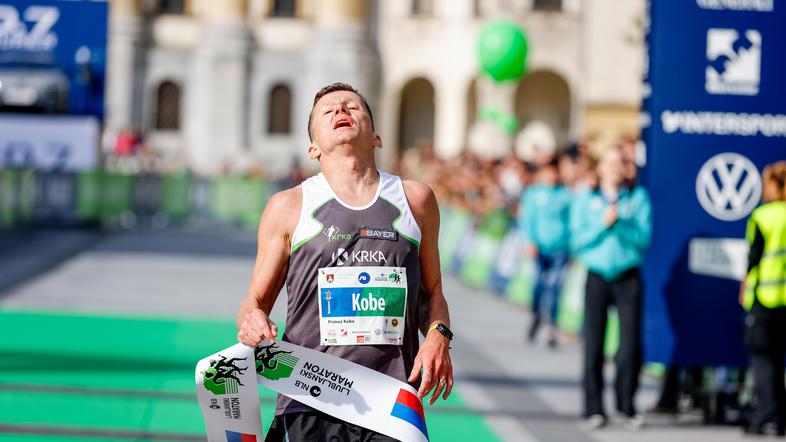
{"x":433,"y":357}
{"x":276,"y":225}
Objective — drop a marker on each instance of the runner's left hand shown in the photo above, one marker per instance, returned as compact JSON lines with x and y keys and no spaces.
{"x":434,"y":360}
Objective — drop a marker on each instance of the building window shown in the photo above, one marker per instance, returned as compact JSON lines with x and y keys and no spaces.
{"x":422,"y":7}
{"x":168,"y":106}
{"x":283,"y":8}
{"x":172,"y":7}
{"x":279,"y":113}
{"x":547,"y":5}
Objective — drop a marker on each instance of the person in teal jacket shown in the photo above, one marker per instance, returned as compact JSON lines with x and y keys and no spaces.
{"x":610,"y":229}
{"x":544,"y":223}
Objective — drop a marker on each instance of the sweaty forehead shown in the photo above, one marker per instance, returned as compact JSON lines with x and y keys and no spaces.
{"x":332,"y":98}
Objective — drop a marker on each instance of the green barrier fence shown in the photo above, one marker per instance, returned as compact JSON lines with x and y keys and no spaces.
{"x":519,"y":289}
{"x":8,"y":195}
{"x":88,"y":195}
{"x":26,"y":180}
{"x":17,"y":196}
{"x":116,"y":191}
{"x":238,"y":200}
{"x":6,"y":200}
{"x":176,"y":196}
{"x":454,"y":224}
{"x":108,"y":197}
{"x":479,"y":264}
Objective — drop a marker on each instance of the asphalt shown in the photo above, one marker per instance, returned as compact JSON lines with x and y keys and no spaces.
{"x":522,"y":392}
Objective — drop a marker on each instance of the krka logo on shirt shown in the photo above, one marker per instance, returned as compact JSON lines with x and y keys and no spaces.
{"x":333,"y":234}
{"x":343,"y":256}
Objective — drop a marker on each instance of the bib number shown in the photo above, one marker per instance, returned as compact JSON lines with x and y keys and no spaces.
{"x":362,"y":305}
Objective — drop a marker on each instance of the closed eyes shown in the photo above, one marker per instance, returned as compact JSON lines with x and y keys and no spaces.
{"x":330,"y":110}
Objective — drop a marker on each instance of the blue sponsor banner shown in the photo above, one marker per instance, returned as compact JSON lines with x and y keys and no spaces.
{"x":59,"y":43}
{"x":714,"y":114}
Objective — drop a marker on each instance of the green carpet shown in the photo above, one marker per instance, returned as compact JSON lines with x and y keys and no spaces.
{"x":69,"y":377}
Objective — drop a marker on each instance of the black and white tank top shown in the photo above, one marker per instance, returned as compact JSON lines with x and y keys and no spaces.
{"x":353,"y":282}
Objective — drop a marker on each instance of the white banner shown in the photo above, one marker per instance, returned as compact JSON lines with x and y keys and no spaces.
{"x":63,"y":143}
{"x":228,"y":397}
{"x":719,"y":257}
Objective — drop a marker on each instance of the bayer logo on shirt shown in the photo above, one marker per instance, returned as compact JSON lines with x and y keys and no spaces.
{"x":364,"y":278}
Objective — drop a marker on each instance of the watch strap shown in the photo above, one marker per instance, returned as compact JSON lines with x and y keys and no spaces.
{"x":443,"y":329}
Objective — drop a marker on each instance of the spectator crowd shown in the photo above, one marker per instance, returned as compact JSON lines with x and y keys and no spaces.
{"x":581,"y":203}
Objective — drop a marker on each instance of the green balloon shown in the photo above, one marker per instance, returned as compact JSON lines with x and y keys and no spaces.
{"x":488,"y":113}
{"x":502,"y":49}
{"x":508,"y":124}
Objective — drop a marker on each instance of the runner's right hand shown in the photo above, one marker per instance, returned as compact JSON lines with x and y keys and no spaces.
{"x":257,"y":327}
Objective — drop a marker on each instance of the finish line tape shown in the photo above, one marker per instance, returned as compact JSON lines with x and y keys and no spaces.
{"x":229,"y":400}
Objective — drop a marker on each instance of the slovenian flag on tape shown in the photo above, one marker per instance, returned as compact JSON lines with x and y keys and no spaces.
{"x":233,"y":436}
{"x":409,"y":409}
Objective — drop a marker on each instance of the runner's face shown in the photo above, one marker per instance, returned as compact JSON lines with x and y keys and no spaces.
{"x":340,"y":118}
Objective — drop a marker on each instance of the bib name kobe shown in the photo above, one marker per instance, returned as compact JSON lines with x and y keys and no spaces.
{"x":370,"y":303}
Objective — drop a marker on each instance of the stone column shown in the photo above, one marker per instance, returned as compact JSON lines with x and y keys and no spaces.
{"x":341,"y":51}
{"x":388,"y":121}
{"x":125,"y":65}
{"x":450,"y":118}
{"x":215,"y":119}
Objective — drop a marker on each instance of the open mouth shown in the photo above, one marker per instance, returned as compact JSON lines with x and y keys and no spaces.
{"x":344,"y":122}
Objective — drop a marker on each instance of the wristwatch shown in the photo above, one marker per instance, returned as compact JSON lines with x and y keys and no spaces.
{"x":440,"y":327}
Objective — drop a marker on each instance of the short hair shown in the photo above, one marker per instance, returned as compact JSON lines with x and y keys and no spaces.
{"x":775,"y":174}
{"x":335,"y":87}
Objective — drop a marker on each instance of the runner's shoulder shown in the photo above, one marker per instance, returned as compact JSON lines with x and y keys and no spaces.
{"x":417,"y":192}
{"x":421,"y":199}
{"x":285,"y":205}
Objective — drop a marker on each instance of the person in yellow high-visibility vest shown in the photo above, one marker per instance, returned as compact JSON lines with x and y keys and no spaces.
{"x":763,"y":295}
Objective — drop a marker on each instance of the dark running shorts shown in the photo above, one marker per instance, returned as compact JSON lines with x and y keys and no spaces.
{"x":319,"y":427}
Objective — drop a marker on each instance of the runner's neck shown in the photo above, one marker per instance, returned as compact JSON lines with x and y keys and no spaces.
{"x":353,"y":182}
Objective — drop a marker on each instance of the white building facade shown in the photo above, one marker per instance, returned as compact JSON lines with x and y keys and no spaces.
{"x":227,"y":85}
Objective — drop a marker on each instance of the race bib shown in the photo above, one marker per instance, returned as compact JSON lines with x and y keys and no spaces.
{"x":362,"y":305}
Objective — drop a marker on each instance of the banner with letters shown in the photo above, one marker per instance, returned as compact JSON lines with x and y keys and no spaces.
{"x":713,"y":115}
{"x":54,"y":47}
{"x":50,"y":143}
{"x":229,"y":400}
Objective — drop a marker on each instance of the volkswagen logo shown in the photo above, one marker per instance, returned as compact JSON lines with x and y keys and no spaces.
{"x":728,"y":186}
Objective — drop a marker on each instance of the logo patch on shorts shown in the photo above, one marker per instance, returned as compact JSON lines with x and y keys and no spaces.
{"x":373,"y":233}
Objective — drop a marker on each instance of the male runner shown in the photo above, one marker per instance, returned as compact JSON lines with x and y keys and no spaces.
{"x":351,"y":215}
